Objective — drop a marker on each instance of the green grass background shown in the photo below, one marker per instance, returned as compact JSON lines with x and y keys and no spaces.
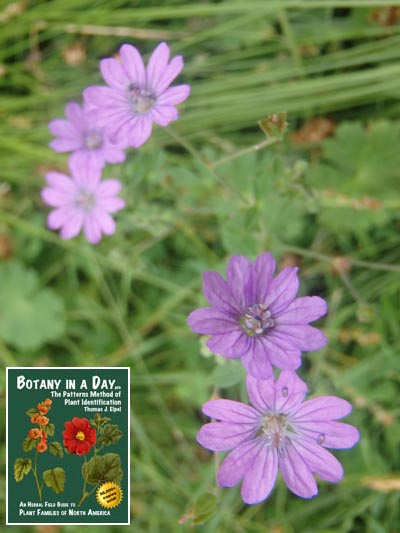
{"x":196,"y":193}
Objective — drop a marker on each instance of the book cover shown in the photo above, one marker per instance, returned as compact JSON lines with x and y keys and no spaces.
{"x":68,"y":445}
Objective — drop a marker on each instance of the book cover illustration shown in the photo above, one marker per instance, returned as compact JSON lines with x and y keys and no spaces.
{"x":68,"y":445}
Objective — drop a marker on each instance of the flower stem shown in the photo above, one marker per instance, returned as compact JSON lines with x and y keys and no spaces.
{"x":34,"y":471}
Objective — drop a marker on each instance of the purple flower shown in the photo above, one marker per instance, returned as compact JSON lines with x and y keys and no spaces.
{"x":137,"y":97}
{"x":257,"y":317}
{"x":80,"y":135}
{"x":83,"y":201}
{"x":281,"y":432}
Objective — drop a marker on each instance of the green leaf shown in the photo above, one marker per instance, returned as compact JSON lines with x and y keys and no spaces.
{"x":110,"y":434}
{"x":31,"y":412}
{"x":55,"y":479}
{"x":32,"y":315}
{"x":228,"y":374}
{"x":356,"y":176}
{"x":101,"y":468}
{"x":201,"y":510}
{"x":99,"y":420}
{"x":22,"y":467}
{"x":56,"y":449}
{"x":28,"y":444}
{"x":49,"y":429}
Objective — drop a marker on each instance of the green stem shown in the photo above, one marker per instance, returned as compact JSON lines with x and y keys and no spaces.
{"x":34,"y":471}
{"x":84,"y":493}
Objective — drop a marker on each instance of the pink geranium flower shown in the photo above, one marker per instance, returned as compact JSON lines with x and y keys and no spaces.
{"x":79,"y":135}
{"x":280,"y":432}
{"x":82,"y":201}
{"x":256,"y":317}
{"x":136,"y":96}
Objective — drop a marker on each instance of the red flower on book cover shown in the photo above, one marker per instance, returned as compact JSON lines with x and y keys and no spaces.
{"x":79,"y":436}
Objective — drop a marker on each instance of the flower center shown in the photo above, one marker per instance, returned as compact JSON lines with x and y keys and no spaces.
{"x":80,"y":435}
{"x":141,"y":99}
{"x":85,"y":200}
{"x":93,"y":139}
{"x":275,"y":430}
{"x":257,"y":320}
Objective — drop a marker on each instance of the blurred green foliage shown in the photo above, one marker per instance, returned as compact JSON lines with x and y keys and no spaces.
{"x":326,"y":200}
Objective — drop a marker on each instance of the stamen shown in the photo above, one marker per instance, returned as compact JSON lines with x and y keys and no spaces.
{"x":93,"y":139}
{"x":85,"y":200}
{"x":141,"y":99}
{"x":257,"y":320}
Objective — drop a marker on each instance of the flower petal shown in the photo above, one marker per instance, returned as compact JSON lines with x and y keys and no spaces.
{"x":113,"y":73}
{"x":157,"y":66}
{"x":260,"y":279}
{"x":114,"y":155}
{"x":282,"y":354}
{"x":87,"y":158}
{"x":133,"y":65}
{"x":174,"y":95}
{"x":108,"y":187}
{"x":58,"y":217}
{"x":65,"y":145}
{"x":261,"y":393}
{"x":232,"y":344}
{"x":91,"y":229}
{"x":231,"y":411}
{"x":107,"y":223}
{"x":164,"y":114}
{"x":217,"y":293}
{"x":101,"y":96}
{"x":259,"y":479}
{"x":319,"y":461}
{"x":237,"y":275}
{"x":306,"y":338}
{"x":211,"y":321}
{"x":75,"y":115}
{"x":323,"y":408}
{"x":303,"y":310}
{"x":62,"y":182}
{"x":296,"y":473}
{"x":141,"y":132}
{"x":223,"y":436}
{"x":110,"y":204}
{"x":257,"y":361}
{"x":332,"y":434}
{"x":72,"y":226}
{"x":237,"y":462}
{"x":63,"y":129}
{"x":282,"y":290}
{"x":290,"y":391}
{"x":170,"y":73}
{"x":55,"y":198}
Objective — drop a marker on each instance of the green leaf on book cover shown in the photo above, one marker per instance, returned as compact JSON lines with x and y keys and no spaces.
{"x":99,"y":420}
{"x":102,"y":468}
{"x":49,"y":430}
{"x":28,"y":444}
{"x":55,"y":479}
{"x":56,"y":449}
{"x":110,"y":434}
{"x":31,"y":412}
{"x":21,"y":468}
{"x":32,"y":315}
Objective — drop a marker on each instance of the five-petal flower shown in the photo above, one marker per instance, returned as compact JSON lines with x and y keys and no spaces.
{"x":82,"y":201}
{"x":279,"y":432}
{"x":257,"y":317}
{"x":87,"y":142}
{"x":136,"y":96}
